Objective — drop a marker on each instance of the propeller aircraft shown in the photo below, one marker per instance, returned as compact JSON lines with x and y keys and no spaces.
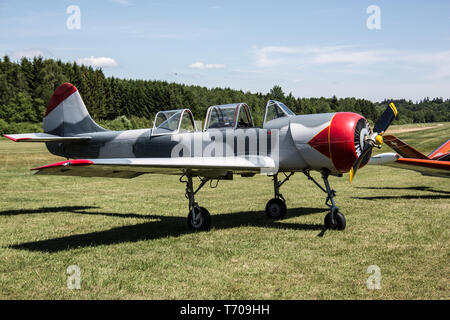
{"x":436,"y":164}
{"x":229,"y":144}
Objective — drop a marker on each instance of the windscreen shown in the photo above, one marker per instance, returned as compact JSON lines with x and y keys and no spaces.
{"x":167,"y":122}
{"x":276,"y":109}
{"x":222,"y":117}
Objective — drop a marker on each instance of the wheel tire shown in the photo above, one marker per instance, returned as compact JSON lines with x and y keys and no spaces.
{"x":203,"y":222}
{"x":276,"y":209}
{"x":339,"y":224}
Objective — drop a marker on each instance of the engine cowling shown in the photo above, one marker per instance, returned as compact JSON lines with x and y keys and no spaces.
{"x":347,"y":133}
{"x":340,"y":139}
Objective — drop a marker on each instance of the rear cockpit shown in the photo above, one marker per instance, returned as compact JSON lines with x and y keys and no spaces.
{"x":233,"y":116}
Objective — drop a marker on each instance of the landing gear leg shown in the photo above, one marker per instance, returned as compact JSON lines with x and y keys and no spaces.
{"x":334,"y":219}
{"x":198,"y":218}
{"x":276,"y":207}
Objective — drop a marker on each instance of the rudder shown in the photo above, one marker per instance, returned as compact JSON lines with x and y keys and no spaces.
{"x":66,"y":114}
{"x":440,"y":151}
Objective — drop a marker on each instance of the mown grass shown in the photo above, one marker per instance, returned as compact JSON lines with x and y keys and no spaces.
{"x":130,"y":238}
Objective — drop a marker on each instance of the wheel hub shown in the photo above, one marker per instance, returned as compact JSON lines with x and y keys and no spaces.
{"x":275,"y":209}
{"x":197,"y":218}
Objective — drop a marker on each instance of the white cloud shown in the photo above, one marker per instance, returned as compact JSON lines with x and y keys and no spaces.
{"x":438,"y":62}
{"x":184,"y":75}
{"x":201,"y":65}
{"x":273,"y":55}
{"x":28,"y":53}
{"x":354,"y":59}
{"x":98,"y":62}
{"x":123,"y":2}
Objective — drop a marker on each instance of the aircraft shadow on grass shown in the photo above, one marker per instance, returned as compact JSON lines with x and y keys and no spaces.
{"x":45,"y":210}
{"x":164,"y":226}
{"x":439,"y":194}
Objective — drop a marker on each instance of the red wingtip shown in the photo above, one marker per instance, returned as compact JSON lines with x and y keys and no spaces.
{"x":61,"y":93}
{"x":76,"y":162}
{"x":15,"y":140}
{"x":10,"y":138}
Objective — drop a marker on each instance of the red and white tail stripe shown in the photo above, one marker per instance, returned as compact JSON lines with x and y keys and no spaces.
{"x":66,"y":114}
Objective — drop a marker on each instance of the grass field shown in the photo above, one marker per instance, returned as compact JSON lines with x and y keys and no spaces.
{"x":130,"y":239}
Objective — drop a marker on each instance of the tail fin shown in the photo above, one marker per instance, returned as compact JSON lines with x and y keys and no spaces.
{"x":402,"y":148}
{"x":440,"y":151}
{"x":67,"y":115}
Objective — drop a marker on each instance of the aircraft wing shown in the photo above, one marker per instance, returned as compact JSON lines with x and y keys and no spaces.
{"x":132,"y":167}
{"x":402,"y":148}
{"x":425,"y":166}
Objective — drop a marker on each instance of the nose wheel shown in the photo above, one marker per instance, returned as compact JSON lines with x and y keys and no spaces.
{"x":338,"y":223}
{"x":334,"y":220}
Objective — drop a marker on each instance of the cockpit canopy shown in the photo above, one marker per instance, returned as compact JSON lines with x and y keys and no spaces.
{"x":235,"y":116}
{"x":174,"y":121}
{"x":276,"y":109}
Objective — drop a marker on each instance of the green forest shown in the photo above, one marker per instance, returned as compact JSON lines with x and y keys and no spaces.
{"x":27,"y":85}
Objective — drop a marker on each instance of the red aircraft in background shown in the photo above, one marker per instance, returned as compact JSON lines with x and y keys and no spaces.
{"x":437,"y":163}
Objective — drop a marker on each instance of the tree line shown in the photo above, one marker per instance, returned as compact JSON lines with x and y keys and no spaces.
{"x":27,"y":85}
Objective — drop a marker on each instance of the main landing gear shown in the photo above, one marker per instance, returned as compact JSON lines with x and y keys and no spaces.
{"x":276,"y":207}
{"x":334,"y":219}
{"x":198,"y":218}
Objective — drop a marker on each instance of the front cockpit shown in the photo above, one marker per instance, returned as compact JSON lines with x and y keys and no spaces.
{"x":275,"y":110}
{"x":174,"y":121}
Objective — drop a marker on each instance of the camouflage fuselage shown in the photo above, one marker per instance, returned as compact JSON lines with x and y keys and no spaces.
{"x":299,"y":142}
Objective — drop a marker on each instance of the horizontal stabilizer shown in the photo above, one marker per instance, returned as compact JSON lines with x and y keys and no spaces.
{"x":43,"y":137}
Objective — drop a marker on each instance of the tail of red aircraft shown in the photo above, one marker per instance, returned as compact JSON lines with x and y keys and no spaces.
{"x":440,"y":151}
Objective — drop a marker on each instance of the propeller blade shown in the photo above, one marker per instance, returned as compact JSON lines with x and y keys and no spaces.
{"x":367,"y":148}
{"x":376,"y":139}
{"x":386,"y":119}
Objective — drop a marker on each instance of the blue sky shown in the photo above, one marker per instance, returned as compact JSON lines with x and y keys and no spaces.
{"x":310,"y":48}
